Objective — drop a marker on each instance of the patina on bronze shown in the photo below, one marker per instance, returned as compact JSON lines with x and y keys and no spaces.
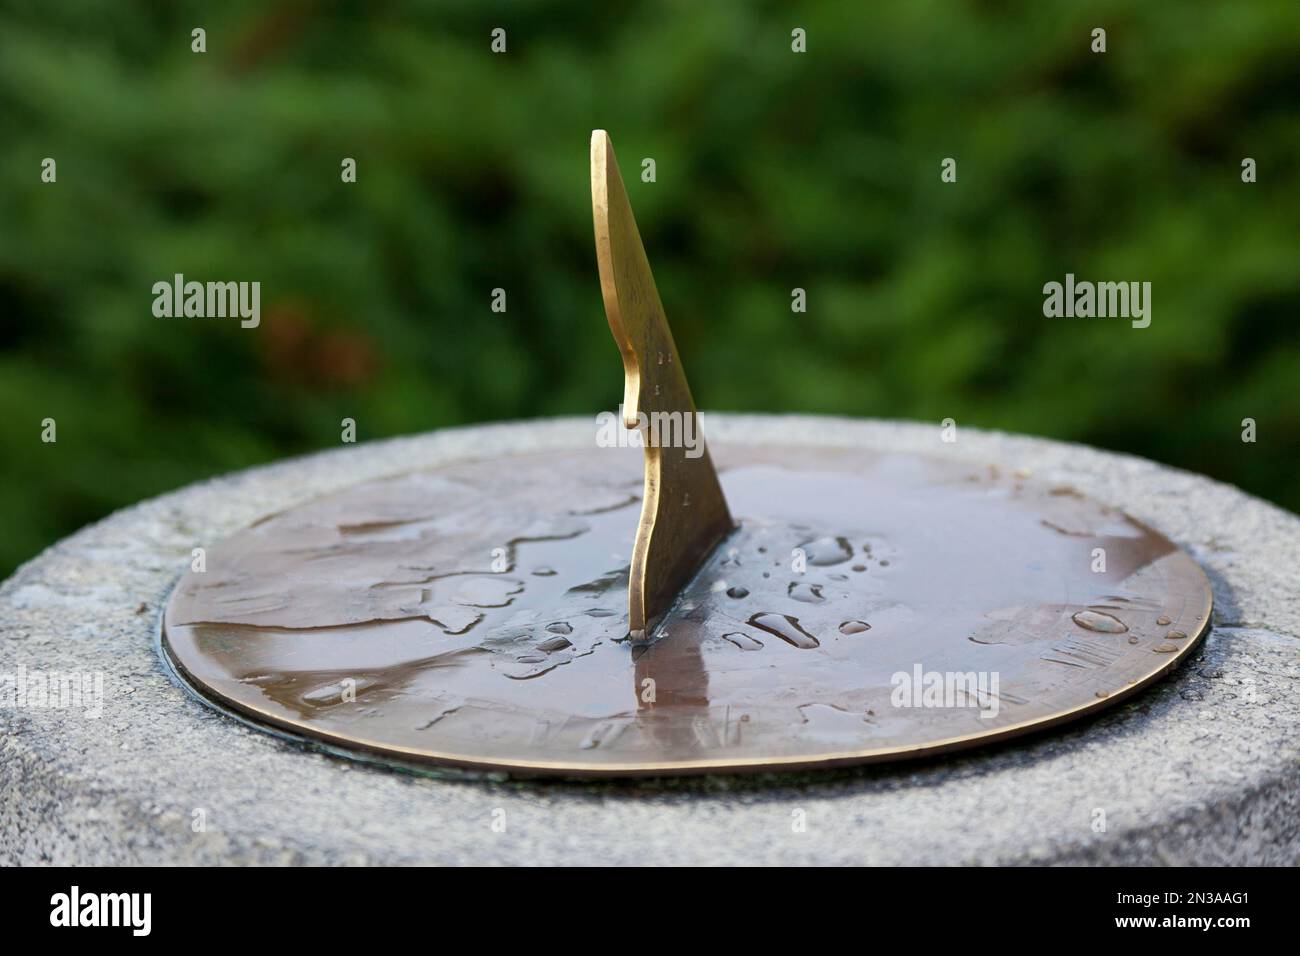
{"x":867,"y":606}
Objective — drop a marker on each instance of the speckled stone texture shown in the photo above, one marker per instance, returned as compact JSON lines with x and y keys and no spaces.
{"x":1202,"y":768}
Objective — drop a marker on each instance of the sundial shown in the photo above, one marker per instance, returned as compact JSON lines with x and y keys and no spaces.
{"x":678,"y":607}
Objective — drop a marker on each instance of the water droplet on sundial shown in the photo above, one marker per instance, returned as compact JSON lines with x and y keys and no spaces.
{"x":785,"y":627}
{"x":805,"y":592}
{"x":1099,"y":621}
{"x":824,"y":552}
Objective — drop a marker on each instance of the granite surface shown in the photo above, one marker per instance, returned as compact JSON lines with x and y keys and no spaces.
{"x":1201,"y":768}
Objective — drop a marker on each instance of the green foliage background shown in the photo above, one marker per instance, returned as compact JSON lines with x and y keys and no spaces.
{"x":775,"y":170}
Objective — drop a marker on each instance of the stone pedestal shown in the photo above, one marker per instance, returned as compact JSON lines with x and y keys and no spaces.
{"x":1202,"y":768}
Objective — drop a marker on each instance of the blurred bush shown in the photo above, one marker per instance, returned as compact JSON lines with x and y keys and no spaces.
{"x":775,"y":170}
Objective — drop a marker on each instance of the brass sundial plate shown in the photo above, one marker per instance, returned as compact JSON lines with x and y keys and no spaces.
{"x":869,"y":607}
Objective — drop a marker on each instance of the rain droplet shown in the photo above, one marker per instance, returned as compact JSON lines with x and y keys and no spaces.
{"x":1166,"y":648}
{"x":744,"y":641}
{"x":737,"y":592}
{"x":1176,"y":636}
{"x":807,"y":593}
{"x":560,"y":627}
{"x":785,"y":627}
{"x":859,"y":568}
{"x":1091,"y":620}
{"x":854,"y":627}
{"x":825,"y":552}
{"x":544,"y":572}
{"x":1163,"y":621}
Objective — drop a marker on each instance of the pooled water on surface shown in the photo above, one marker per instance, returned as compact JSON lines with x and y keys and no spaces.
{"x":484,"y":608}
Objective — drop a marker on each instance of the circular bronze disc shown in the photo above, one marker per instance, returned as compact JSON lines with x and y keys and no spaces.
{"x":869,"y":607}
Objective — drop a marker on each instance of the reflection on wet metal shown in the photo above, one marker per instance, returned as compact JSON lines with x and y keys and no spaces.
{"x":866,"y":607}
{"x":373,"y":618}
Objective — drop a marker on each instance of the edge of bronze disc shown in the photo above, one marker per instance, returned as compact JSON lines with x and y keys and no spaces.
{"x":369,"y":751}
